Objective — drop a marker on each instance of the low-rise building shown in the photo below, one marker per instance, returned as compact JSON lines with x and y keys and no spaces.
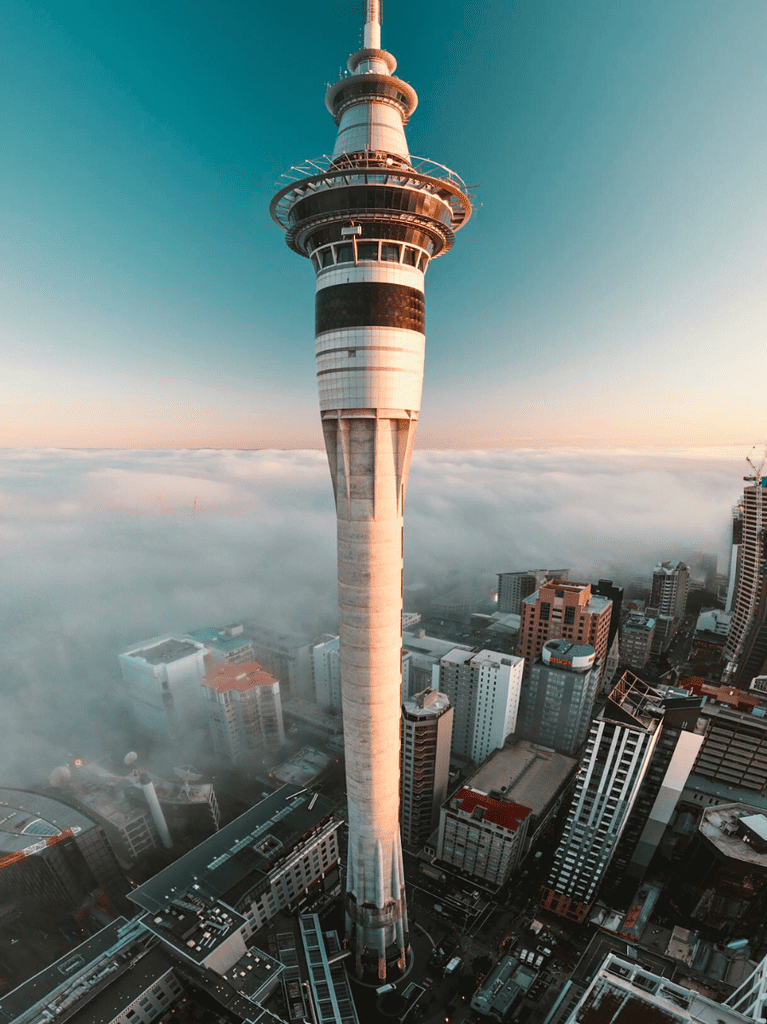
{"x":269,"y":859}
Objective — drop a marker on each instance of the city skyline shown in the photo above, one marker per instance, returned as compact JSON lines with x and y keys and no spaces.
{"x":615,"y":254}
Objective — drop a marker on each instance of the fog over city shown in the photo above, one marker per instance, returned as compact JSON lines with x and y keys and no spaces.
{"x":101,"y":549}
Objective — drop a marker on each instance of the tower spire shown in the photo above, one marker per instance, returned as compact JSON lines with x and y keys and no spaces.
{"x":372,"y":25}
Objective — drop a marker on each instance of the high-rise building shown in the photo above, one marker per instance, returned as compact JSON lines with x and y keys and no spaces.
{"x":427,"y":725}
{"x":484,"y":689}
{"x":244,"y":710}
{"x":568,"y":610}
{"x":633,"y":994}
{"x":735,"y":549}
{"x":619,"y":748}
{"x":229,"y":643}
{"x":423,"y":653}
{"x":670,"y":587}
{"x":326,"y":672}
{"x":514,"y":586}
{"x":637,"y":635}
{"x":163,"y":680}
{"x":746,"y":646}
{"x":371,"y":218}
{"x":558,"y":699}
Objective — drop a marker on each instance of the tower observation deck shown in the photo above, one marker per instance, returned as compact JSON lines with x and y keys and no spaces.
{"x":370,"y":218}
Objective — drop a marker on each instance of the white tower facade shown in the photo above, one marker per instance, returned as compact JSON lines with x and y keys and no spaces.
{"x":484,"y":689}
{"x":371,"y":218}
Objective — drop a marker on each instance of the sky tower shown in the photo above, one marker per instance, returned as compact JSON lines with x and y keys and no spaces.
{"x":371,"y":217}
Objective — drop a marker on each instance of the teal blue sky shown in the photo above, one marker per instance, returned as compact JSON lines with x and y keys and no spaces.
{"x":609,"y":288}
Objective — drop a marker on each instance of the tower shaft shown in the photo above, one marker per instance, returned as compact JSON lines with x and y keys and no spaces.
{"x":370,"y":221}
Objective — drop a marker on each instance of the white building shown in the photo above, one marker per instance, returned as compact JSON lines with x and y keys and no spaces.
{"x":484,"y":689}
{"x":421,"y":653}
{"x":326,"y":673}
{"x":427,"y":725}
{"x":482,"y":835}
{"x":618,"y":752}
{"x":163,"y":679}
{"x":713,"y":620}
{"x":244,"y":709}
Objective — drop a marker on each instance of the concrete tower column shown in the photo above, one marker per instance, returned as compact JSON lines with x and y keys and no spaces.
{"x":371,"y":218}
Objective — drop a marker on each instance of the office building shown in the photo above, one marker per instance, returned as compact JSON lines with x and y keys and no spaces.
{"x":637,"y":635}
{"x":482,"y":835}
{"x":229,"y":643}
{"x":567,"y":610}
{"x":286,"y":655}
{"x":558,"y":699}
{"x":163,"y":683}
{"x":427,"y":725}
{"x":618,"y":753}
{"x":52,"y":855}
{"x":326,"y":672}
{"x":668,"y":601}
{"x":525,"y":776}
{"x":273,"y":857}
{"x":484,"y":689}
{"x":370,"y":223}
{"x":421,"y":653}
{"x":727,"y":865}
{"x":734,"y":750}
{"x":632,"y":994}
{"x":244,"y":710}
{"x":661,"y":789}
{"x":514,"y":586}
{"x":670,"y":587}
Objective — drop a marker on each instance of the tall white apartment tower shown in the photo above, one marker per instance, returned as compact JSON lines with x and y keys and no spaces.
{"x":371,"y":218}
{"x":484,"y":689}
{"x":618,"y":751}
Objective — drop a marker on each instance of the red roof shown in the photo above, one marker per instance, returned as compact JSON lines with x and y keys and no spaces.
{"x":238,"y":677}
{"x":500,"y":812}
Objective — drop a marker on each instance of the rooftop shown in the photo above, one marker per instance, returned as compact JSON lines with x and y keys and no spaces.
{"x":244,"y":677}
{"x":241,"y":854}
{"x":164,"y":651}
{"x":486,"y":808}
{"x":623,"y":993}
{"x":426,"y":704}
{"x":27,"y":819}
{"x":721,"y":825}
{"x":527,"y":775}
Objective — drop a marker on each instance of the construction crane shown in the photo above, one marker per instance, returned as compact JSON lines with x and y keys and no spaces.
{"x":13,"y":858}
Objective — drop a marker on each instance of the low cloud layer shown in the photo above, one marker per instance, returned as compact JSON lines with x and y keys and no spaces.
{"x":100,"y":549}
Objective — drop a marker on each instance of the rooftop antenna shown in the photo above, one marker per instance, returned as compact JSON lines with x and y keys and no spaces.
{"x":372,"y":35}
